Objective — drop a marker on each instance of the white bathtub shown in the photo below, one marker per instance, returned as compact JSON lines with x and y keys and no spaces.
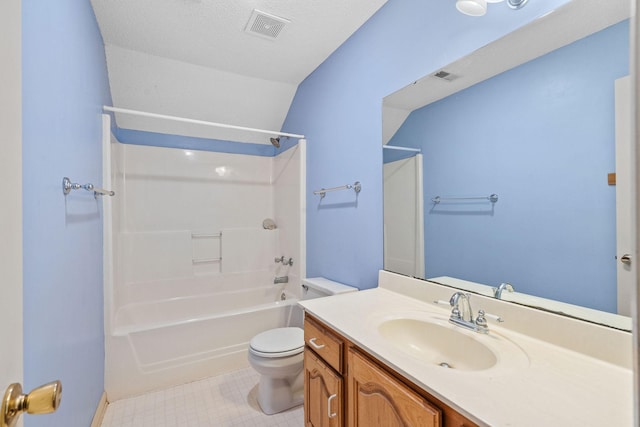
{"x":173,"y":341}
{"x":179,"y":310}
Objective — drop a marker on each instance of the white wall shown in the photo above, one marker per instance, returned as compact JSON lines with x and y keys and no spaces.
{"x":151,"y":83}
{"x":11,"y":193}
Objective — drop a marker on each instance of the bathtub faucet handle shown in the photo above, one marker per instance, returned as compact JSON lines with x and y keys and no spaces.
{"x":281,"y":259}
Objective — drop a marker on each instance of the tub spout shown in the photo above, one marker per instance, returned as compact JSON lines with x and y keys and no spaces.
{"x":282,"y":279}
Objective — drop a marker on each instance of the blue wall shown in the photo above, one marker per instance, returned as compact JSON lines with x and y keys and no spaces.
{"x":129,"y":136}
{"x":541,"y":136}
{"x":64,"y":86}
{"x":338,"y":108}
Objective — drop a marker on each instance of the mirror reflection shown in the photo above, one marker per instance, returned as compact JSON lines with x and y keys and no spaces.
{"x":494,"y":176}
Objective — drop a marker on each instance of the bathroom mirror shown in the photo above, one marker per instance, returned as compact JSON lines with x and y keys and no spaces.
{"x":499,"y":167}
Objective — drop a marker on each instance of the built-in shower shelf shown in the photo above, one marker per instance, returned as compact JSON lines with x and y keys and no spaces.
{"x":206,"y":260}
{"x":206,"y":235}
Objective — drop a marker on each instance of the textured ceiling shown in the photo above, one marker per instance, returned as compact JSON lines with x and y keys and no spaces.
{"x":209,"y":34}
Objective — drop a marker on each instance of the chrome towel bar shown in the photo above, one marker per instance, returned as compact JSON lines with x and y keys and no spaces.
{"x":355,"y":186}
{"x":493,"y":198}
{"x":67,"y":186}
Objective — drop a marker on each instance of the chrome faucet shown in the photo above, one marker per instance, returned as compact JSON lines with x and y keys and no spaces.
{"x":466,"y":314}
{"x":497,"y":292}
{"x":284,"y":261}
{"x":282,"y":279}
{"x":464,"y":317}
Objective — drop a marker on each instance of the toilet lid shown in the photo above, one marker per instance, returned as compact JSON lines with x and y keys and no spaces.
{"x":278,"y":342}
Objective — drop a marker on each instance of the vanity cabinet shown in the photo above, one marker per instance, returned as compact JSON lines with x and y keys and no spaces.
{"x":345,"y":386}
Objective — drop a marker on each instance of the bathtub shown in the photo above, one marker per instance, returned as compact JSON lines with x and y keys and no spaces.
{"x":168,"y":342}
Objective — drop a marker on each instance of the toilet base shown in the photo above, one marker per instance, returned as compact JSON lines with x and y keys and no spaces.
{"x":279,"y":394}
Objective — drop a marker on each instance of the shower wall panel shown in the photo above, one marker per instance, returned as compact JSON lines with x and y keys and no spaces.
{"x":175,"y":203}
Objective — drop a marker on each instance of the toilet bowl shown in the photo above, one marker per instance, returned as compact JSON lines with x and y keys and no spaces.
{"x":278,"y":355}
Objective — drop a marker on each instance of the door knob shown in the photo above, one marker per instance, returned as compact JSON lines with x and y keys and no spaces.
{"x":42,"y":400}
{"x":626,"y":259}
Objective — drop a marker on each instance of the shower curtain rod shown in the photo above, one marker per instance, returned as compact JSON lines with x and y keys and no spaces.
{"x":395,"y":147}
{"x":197,"y":122}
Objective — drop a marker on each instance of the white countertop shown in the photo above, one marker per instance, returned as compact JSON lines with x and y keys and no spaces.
{"x":555,"y":386}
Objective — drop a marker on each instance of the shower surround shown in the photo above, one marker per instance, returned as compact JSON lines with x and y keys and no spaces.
{"x":189,"y":267}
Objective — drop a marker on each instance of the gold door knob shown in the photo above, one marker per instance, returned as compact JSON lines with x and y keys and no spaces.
{"x":42,"y":400}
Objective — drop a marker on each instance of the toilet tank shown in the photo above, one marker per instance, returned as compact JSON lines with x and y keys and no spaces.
{"x":316,"y":287}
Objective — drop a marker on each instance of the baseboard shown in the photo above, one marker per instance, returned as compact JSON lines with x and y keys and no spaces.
{"x":100,"y":410}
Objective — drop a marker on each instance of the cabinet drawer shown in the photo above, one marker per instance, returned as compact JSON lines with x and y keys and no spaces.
{"x":324,"y":343}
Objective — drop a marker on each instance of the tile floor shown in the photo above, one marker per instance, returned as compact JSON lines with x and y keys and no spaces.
{"x":225,"y":401}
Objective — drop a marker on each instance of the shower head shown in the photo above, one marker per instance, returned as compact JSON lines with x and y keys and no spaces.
{"x":275,"y":142}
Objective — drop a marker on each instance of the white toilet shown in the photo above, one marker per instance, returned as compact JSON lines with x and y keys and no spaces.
{"x":277,"y":354}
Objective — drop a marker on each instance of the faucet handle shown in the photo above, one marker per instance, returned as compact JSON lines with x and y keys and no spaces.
{"x":482,"y":315}
{"x":455,"y":311}
{"x":442,"y":302}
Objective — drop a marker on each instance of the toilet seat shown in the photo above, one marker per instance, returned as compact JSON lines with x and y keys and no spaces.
{"x":279,"y":342}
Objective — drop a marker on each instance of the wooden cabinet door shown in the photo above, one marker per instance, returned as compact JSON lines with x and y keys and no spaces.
{"x":323,"y":394}
{"x":376,"y":399}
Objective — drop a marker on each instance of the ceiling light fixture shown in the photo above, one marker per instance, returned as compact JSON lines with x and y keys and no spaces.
{"x":479,"y":7}
{"x":472,"y":7}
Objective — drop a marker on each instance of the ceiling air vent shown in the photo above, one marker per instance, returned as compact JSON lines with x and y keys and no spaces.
{"x":265,"y":25}
{"x":444,"y":75}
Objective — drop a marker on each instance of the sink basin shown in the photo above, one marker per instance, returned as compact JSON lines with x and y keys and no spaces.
{"x":439,"y":343}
